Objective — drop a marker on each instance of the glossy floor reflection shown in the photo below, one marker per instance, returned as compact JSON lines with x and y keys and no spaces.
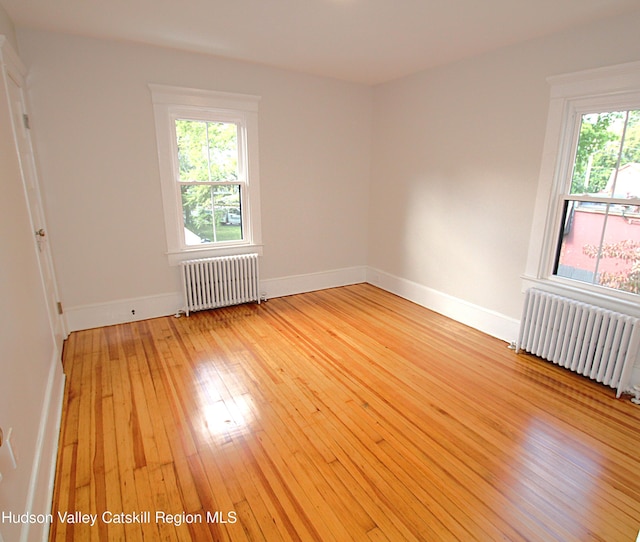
{"x":345,"y":414}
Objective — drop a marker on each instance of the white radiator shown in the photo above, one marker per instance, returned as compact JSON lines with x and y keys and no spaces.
{"x":219,"y":282}
{"x":592,"y":341}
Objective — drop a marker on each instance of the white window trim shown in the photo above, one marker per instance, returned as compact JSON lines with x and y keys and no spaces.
{"x":571,"y":95}
{"x":170,"y":103}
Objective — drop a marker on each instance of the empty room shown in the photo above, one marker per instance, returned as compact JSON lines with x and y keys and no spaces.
{"x":325,"y":270}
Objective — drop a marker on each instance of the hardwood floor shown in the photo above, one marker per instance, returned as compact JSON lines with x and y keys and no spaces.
{"x":345,"y":414}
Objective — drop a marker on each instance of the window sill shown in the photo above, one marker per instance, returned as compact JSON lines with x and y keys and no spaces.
{"x":616,"y":301}
{"x":176,"y":257}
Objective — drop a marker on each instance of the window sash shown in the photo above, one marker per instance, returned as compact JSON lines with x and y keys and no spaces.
{"x":599,"y":199}
{"x":213,"y":116}
{"x":598,"y":245}
{"x":583,"y":251}
{"x":218,"y":210}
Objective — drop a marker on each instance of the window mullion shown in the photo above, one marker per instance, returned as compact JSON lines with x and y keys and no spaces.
{"x":601,"y":244}
{"x":213,"y":214}
{"x":619,"y":159}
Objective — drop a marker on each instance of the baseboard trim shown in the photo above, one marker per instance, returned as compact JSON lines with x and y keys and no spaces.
{"x":41,"y":485}
{"x":490,"y":322}
{"x":299,"y":284}
{"x":120,"y":312}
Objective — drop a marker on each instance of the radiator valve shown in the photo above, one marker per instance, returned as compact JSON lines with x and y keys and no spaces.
{"x":636,"y":392}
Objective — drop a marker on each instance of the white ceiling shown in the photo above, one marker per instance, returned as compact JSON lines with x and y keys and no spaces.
{"x":366,"y":41}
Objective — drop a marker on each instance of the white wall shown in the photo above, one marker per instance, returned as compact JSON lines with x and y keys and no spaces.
{"x":451,"y":158}
{"x":437,"y":171}
{"x":30,"y":370}
{"x":456,"y":158}
{"x":7,"y":28}
{"x":93,"y":119}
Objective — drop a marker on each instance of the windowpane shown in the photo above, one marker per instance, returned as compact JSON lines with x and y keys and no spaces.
{"x":600,"y":245}
{"x":597,"y":153}
{"x":619,"y":257}
{"x":211,"y":213}
{"x":207,"y":151}
{"x":627,"y":182}
{"x":583,"y":226}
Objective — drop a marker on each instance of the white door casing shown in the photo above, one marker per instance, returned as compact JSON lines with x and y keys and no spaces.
{"x":24,"y":147}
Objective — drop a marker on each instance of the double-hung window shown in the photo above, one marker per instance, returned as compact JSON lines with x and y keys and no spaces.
{"x":599,"y":237}
{"x":586,"y":235}
{"x":207,"y":149}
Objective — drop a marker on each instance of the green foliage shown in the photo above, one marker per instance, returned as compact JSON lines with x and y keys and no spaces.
{"x":594,"y":145}
{"x":197,"y":210}
{"x":208,"y":153}
{"x":205,"y":209}
{"x":599,"y":147}
{"x":631,"y":150}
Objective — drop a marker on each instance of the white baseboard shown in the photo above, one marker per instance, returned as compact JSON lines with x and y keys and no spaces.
{"x":490,"y":322}
{"x":299,"y":284}
{"x":119,"y":312}
{"x":487,"y":321}
{"x":40,"y":494}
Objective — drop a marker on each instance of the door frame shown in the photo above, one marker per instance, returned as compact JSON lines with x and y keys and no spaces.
{"x":15,"y":74}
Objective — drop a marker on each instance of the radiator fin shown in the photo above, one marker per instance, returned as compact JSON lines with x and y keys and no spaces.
{"x":210,"y":283}
{"x":592,"y":341}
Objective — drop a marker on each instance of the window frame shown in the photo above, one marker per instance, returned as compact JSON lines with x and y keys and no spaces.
{"x":173,"y":103}
{"x":572,"y":95}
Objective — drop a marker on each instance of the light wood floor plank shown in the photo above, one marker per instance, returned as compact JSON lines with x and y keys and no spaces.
{"x":344,"y":414}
